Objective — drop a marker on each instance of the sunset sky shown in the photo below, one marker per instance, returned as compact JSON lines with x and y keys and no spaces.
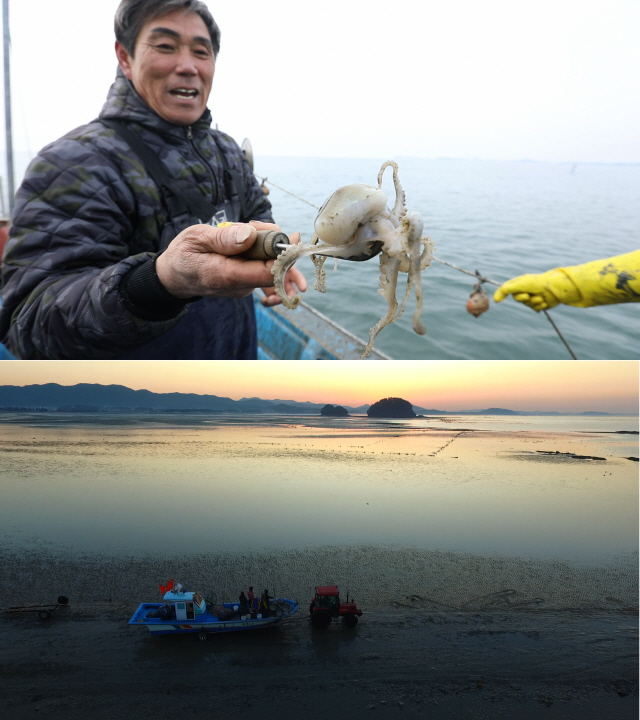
{"x":566,"y":386}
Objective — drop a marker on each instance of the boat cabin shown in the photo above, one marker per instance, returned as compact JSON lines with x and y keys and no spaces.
{"x":187,"y":604}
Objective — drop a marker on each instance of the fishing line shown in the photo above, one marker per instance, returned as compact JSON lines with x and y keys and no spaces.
{"x":475,"y":274}
{"x":483,"y":279}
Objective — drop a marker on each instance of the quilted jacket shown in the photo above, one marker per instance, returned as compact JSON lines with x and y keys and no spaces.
{"x":88,"y":217}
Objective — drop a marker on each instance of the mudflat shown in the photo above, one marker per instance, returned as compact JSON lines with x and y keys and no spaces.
{"x":529,"y":609}
{"x":443,"y":635}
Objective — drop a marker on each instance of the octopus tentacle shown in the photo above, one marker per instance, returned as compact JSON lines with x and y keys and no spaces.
{"x":427,"y":252}
{"x":388,"y":282}
{"x":279,"y":269}
{"x":320,"y":283}
{"x":415,"y":241}
{"x":405,"y":297}
{"x":417,"y":325}
{"x":288,"y":257}
{"x":400,"y":207}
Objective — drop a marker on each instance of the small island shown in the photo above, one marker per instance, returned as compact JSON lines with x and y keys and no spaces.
{"x":334,"y":411}
{"x":391,"y":408}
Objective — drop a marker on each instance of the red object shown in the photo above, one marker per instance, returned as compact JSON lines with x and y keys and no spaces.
{"x":478,"y":302}
{"x":327,"y":590}
{"x":327,"y":605}
{"x":167,"y":587}
{"x":4,"y":235}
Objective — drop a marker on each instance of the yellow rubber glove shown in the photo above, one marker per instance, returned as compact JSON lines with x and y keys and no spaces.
{"x":601,"y":282}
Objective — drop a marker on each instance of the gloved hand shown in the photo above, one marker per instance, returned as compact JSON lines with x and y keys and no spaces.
{"x":601,"y":282}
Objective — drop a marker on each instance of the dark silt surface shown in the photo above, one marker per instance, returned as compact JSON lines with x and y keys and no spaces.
{"x":86,"y":662}
{"x":475,"y":638}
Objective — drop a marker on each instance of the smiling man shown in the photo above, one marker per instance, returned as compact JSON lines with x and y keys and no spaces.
{"x":114,"y":249}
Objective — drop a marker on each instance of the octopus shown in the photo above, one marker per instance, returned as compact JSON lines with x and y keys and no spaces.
{"x":356,"y":224}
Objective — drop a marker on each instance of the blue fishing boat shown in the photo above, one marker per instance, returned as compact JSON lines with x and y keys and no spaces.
{"x":305,"y":334}
{"x":189,"y":612}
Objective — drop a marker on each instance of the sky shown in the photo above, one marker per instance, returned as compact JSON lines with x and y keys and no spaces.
{"x":562,"y":385}
{"x":548,"y":80}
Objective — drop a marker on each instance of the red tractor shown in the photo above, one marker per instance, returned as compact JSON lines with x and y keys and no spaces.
{"x":326,"y":605}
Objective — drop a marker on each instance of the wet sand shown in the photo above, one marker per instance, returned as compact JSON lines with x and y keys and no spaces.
{"x":443,"y":635}
{"x":89,"y":664}
{"x":383,"y":577}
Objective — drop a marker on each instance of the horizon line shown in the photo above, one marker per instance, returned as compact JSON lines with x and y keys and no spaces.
{"x":400,"y":156}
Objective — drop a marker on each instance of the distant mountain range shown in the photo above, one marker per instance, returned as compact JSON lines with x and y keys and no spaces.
{"x":86,"y":397}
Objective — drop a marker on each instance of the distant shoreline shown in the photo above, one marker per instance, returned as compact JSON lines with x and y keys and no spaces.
{"x":97,"y":398}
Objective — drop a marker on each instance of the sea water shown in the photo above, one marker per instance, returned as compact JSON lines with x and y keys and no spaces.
{"x":192,"y":484}
{"x":500,"y":218}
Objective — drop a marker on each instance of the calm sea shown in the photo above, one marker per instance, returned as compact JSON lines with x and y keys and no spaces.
{"x":500,"y":218}
{"x":191,"y":483}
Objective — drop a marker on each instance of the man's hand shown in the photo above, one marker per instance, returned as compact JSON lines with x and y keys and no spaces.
{"x":202,"y":261}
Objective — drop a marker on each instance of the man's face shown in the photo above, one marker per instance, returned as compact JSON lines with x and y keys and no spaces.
{"x":173,"y":66}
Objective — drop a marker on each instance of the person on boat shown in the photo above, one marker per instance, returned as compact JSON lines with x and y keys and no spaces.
{"x":600,"y":282}
{"x":251,"y":597}
{"x":103,"y":261}
{"x":244,"y":604}
{"x":264,"y":603}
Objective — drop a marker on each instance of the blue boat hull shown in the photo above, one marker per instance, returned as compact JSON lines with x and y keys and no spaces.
{"x":283,"y":609}
{"x":305,"y":334}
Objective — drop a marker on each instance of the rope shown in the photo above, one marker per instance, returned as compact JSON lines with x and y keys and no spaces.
{"x":483,"y":279}
{"x":297,"y":197}
{"x":476,"y":274}
{"x":560,"y":335}
{"x":344,"y":331}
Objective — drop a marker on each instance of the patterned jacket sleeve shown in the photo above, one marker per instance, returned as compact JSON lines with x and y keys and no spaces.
{"x":66,"y":256}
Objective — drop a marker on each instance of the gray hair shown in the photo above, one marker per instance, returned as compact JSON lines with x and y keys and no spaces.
{"x":131,"y":16}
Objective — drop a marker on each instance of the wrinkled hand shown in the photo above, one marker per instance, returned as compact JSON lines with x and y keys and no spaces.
{"x":202,"y":261}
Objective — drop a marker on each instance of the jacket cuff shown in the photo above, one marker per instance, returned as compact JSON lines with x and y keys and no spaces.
{"x":146,"y":297}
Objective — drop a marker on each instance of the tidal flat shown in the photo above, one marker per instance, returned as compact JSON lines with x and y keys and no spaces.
{"x":185,"y":484}
{"x":495,"y":559}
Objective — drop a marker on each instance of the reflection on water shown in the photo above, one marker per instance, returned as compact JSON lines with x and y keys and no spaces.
{"x":188,"y":484}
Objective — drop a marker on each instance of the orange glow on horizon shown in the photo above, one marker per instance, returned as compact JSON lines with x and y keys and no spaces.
{"x":563,"y":385}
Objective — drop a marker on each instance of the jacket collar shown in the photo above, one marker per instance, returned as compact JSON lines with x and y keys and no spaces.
{"x":124,"y":103}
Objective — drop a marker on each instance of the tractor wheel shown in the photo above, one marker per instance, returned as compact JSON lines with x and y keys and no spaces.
{"x":321,"y":620}
{"x":350,"y":620}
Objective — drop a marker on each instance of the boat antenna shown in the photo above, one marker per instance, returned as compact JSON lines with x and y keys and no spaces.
{"x":6,"y":41}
